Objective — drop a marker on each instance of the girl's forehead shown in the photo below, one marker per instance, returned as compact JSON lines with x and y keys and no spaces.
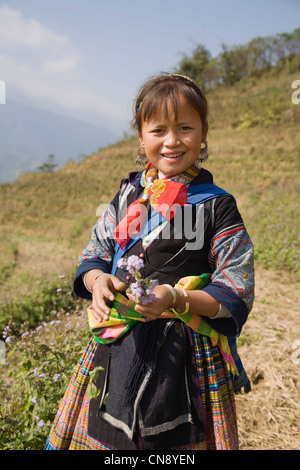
{"x":172,"y":110}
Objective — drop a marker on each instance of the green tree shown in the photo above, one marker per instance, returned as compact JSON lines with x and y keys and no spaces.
{"x":234,"y":63}
{"x":195,"y":66}
{"x":49,"y":165}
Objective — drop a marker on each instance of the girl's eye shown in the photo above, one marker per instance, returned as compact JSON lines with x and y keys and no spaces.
{"x":185,"y":128}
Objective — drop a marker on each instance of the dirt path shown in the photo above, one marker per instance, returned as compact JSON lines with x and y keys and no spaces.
{"x":269,"y":416}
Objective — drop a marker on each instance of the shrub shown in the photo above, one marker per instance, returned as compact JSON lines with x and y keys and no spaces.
{"x":39,"y":365}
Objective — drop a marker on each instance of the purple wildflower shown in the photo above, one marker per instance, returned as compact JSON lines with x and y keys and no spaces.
{"x":151,"y":284}
{"x":140,"y":288}
{"x":137,"y":289}
{"x":134,"y":263}
{"x":147,"y":299}
{"x":121,"y":263}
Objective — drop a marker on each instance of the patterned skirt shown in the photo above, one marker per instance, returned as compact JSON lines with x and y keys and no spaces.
{"x":70,"y":427}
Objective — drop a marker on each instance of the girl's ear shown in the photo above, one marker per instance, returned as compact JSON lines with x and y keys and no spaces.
{"x":140,"y":138}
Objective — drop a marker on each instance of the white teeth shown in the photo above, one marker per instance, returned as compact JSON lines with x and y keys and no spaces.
{"x":172,"y":156}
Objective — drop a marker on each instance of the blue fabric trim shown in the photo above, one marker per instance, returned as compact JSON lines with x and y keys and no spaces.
{"x":199,"y":193}
{"x":240,"y":382}
{"x":49,"y":446}
{"x":238,"y":309}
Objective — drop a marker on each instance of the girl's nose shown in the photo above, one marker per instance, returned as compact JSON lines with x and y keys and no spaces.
{"x":171,"y":139}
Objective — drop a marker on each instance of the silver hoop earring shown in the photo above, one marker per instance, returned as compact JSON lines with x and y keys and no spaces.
{"x":141,"y":158}
{"x":204,"y":152}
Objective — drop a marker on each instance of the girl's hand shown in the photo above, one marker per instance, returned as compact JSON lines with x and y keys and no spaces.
{"x":103,"y":293}
{"x":163,"y":300}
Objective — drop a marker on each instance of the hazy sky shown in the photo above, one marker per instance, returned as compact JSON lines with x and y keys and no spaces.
{"x":87,"y":58}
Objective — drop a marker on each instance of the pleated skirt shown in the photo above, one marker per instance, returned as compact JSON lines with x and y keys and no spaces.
{"x":70,"y":427}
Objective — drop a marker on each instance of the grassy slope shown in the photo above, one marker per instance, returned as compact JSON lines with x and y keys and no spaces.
{"x":255,"y":145}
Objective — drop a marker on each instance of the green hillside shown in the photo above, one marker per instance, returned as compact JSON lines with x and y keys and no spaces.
{"x":254,"y":146}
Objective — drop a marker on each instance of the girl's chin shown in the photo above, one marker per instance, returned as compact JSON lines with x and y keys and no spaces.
{"x":172,"y":167}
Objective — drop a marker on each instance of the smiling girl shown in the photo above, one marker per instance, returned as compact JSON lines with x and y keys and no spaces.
{"x":169,"y":380}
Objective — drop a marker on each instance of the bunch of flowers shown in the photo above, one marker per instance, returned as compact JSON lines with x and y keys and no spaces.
{"x":141,"y":288}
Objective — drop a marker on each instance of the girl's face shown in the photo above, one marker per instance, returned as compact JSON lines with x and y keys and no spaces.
{"x":172,"y":145}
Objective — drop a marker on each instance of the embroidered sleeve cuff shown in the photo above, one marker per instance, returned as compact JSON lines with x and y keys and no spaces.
{"x":222,"y":313}
{"x":238,"y":310}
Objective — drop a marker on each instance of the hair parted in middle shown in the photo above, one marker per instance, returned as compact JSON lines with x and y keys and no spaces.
{"x":163,"y":89}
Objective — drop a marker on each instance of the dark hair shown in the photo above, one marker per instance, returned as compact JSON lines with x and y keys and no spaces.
{"x":163,"y":89}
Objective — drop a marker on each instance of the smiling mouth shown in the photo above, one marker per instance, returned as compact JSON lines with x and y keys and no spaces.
{"x":173,"y":156}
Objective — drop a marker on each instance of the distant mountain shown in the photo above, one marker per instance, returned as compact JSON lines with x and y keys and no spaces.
{"x":29,"y":135}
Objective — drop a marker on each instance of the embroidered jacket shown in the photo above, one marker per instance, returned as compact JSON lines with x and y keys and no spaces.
{"x":221,"y":247}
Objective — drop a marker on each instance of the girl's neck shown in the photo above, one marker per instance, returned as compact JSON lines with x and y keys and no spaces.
{"x":184,"y":177}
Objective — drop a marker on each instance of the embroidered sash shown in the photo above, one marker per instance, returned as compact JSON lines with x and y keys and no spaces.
{"x":123,"y":317}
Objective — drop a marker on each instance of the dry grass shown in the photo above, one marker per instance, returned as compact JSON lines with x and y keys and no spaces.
{"x":269,"y":416}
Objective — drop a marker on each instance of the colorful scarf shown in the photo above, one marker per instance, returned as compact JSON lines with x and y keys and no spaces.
{"x":123,"y":317}
{"x":163,"y":194}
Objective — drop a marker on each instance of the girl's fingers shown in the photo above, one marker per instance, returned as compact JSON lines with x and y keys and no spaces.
{"x":103,"y":294}
{"x":119,"y":285}
{"x":131,"y":297}
{"x":107,"y":294}
{"x":151,"y":311}
{"x":100,"y":312}
{"x":99,"y":304}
